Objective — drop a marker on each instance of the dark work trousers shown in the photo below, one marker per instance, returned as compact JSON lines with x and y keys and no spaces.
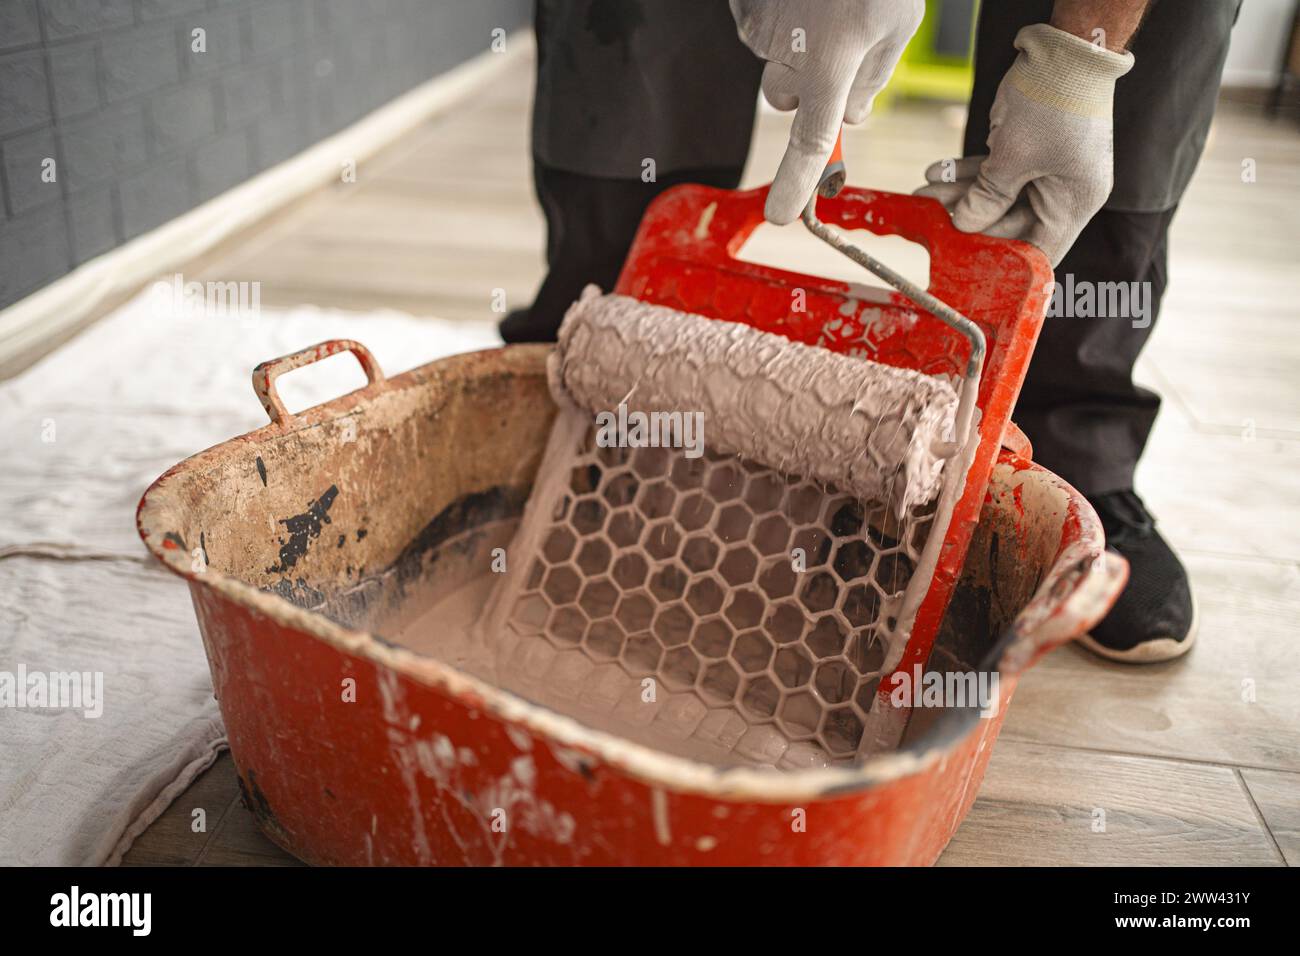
{"x":590,"y":224}
{"x":1088,"y":421}
{"x":623,"y":81}
{"x":633,"y":97}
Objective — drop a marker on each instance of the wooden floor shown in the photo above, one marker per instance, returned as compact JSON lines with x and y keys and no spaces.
{"x":1191,"y":762}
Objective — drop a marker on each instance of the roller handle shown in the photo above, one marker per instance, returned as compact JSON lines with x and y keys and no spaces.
{"x":265,"y":374}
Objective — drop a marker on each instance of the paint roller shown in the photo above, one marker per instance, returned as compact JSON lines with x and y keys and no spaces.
{"x":883,"y":433}
{"x":878,"y":431}
{"x":874,"y":430}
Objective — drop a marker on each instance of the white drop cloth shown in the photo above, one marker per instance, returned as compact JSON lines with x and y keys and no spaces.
{"x":85,"y":431}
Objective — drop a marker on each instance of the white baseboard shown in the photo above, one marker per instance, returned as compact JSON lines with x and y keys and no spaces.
{"x":53,"y":312}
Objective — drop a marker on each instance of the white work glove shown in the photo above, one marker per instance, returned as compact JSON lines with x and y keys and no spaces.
{"x":1050,"y":164}
{"x":830,"y":72}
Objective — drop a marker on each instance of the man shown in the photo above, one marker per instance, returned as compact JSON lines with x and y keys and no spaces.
{"x":1082,"y":135}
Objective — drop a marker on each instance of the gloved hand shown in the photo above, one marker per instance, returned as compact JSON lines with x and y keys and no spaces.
{"x":1050,"y":164}
{"x":829,"y":74}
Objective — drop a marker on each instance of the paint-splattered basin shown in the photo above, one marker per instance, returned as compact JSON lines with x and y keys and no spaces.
{"x":307,"y":540}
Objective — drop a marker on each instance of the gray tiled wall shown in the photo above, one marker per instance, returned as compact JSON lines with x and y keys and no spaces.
{"x":142,"y":128}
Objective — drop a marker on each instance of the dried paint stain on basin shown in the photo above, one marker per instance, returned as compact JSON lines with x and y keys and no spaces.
{"x":509,"y":800}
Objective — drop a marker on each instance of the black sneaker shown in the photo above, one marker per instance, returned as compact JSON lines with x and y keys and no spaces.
{"x":1155,"y":616}
{"x":521,"y":325}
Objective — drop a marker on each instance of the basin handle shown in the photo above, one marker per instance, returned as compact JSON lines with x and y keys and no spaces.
{"x":265,"y":374}
{"x":1077,"y":593}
